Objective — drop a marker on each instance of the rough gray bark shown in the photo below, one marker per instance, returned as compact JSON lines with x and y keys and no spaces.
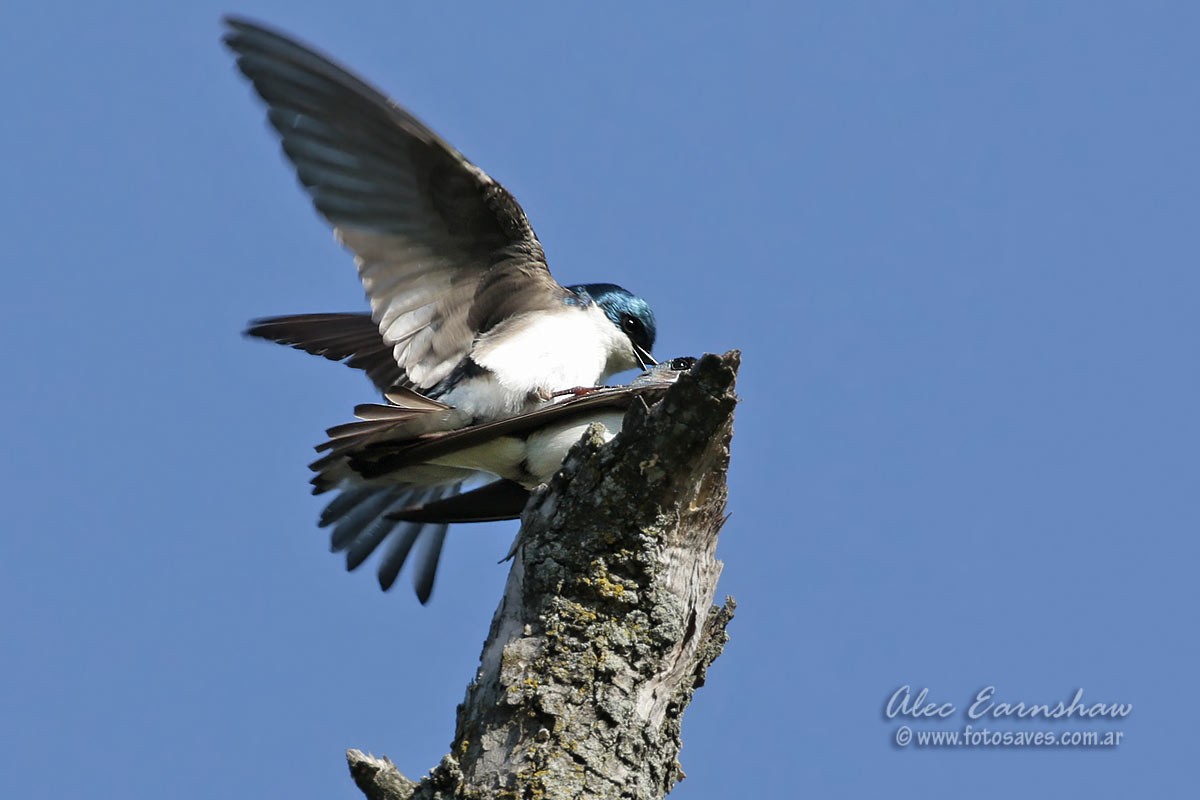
{"x":607,"y":625}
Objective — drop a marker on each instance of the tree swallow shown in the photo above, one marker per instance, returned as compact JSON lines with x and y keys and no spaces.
{"x":460,"y":293}
{"x":404,"y":461}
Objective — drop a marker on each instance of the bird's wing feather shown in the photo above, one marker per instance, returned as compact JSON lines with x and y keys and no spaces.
{"x":426,"y":225}
{"x":498,"y":500}
{"x":372,"y":455}
{"x":361,"y":523}
{"x":352,"y":339}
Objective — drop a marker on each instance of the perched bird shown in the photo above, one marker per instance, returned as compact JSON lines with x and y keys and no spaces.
{"x":414,"y":443}
{"x":464,"y":310}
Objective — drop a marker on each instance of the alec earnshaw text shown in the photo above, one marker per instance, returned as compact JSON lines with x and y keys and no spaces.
{"x":904,"y":703}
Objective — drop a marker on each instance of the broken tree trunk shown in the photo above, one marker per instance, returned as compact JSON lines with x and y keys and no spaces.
{"x":607,"y":625}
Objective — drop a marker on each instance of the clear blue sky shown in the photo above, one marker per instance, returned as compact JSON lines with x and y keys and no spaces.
{"x":957,"y":246}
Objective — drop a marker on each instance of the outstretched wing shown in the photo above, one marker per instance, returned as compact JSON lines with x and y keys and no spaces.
{"x":439,"y":245}
{"x":352,"y":339}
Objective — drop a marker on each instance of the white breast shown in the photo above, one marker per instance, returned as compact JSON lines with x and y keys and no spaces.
{"x":549,"y":351}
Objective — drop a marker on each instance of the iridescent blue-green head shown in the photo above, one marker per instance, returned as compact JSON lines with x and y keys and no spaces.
{"x":630,"y":313}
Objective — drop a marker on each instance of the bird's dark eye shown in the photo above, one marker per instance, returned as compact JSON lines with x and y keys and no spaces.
{"x":630,"y":324}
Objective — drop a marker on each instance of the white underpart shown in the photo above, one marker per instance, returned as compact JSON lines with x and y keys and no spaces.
{"x":501,"y":456}
{"x":546,"y":449}
{"x":534,"y":460}
{"x":538,"y":354}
